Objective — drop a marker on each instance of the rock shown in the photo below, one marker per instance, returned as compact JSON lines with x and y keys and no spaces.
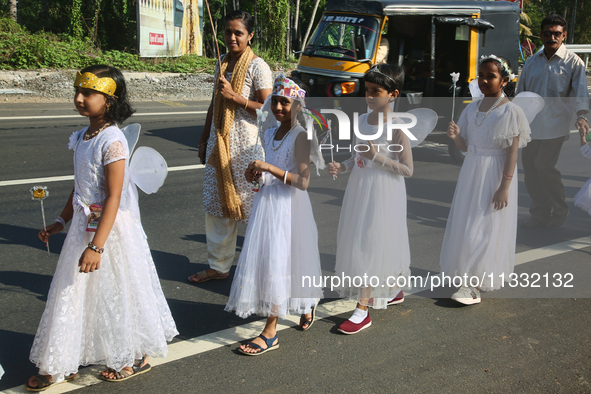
{"x":57,"y":85}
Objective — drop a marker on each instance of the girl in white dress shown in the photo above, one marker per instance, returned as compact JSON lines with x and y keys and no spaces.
{"x":583,"y":196}
{"x":372,"y":238}
{"x":481,"y":229}
{"x":281,"y":242}
{"x":105,"y":304}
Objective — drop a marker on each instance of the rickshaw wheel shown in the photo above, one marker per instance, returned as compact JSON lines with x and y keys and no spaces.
{"x":456,"y":154}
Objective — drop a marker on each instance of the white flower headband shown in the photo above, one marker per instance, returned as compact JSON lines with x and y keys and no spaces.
{"x":507,"y":72}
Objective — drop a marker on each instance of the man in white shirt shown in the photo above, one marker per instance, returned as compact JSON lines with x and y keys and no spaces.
{"x":558,"y":75}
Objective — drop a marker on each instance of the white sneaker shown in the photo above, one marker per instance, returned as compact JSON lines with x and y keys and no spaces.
{"x":467,"y":296}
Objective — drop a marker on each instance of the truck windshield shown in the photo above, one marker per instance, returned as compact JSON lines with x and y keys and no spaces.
{"x":333,"y":38}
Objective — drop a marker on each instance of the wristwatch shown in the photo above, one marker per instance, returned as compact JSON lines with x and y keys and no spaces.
{"x":583,"y":117}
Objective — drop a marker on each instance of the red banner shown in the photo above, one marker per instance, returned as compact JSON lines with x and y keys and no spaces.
{"x":156,"y":39}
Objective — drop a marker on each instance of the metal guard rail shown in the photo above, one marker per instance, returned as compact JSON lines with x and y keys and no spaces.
{"x":584,"y":49}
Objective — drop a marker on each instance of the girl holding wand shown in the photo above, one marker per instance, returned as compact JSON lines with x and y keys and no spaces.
{"x":372,"y":237}
{"x":281,"y":242}
{"x":105,"y":304}
{"x":481,"y":230}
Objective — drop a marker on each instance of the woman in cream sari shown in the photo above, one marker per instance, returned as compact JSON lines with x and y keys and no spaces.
{"x":228,"y":143}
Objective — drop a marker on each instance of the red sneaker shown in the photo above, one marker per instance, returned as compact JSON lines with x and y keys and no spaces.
{"x":399,"y":299}
{"x":349,"y":328}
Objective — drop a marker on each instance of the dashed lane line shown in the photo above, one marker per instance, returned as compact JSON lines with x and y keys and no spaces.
{"x":71,"y":177}
{"x":80,"y":116}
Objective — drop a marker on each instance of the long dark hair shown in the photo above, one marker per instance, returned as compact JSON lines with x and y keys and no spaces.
{"x":119,"y":108}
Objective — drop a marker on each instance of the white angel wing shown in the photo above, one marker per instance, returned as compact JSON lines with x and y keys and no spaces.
{"x":531,"y":104}
{"x":132,"y":135}
{"x":148,"y":169}
{"x":426,"y":122}
{"x":475,"y":90}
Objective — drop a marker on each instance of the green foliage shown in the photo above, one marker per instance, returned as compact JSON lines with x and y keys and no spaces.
{"x":76,"y":19}
{"x":273,"y":14}
{"x":270,"y":37}
{"x":19,"y":49}
{"x":85,"y":31}
{"x":539,"y":9}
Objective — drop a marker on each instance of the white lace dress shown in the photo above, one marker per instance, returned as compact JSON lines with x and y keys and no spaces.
{"x":372,"y":237}
{"x":480,"y":240}
{"x":583,"y":196}
{"x":243,"y":142}
{"x":117,"y":313}
{"x":280,"y":246}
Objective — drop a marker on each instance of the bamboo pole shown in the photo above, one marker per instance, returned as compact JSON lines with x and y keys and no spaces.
{"x":215,"y":39}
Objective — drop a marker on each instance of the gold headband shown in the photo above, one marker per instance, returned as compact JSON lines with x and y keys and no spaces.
{"x":88,"y":80}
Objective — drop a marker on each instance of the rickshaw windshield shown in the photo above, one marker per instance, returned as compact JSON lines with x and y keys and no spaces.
{"x":333,"y":38}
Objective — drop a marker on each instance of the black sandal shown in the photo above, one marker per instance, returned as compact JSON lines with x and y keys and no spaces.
{"x":43,"y":383}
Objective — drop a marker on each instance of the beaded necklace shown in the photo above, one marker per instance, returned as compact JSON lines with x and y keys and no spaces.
{"x":283,"y":139}
{"x":90,"y":136}
{"x":492,"y":108}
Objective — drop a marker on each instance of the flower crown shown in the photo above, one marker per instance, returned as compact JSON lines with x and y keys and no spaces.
{"x":88,"y":80}
{"x":507,"y":72}
{"x":285,"y":87}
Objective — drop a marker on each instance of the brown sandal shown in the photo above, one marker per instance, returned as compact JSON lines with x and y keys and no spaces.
{"x":204,"y":277}
{"x":124,"y":375}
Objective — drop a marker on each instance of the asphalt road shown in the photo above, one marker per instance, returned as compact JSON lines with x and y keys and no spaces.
{"x":518,"y":340}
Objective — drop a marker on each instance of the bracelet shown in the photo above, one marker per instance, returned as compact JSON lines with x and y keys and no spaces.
{"x":203,"y":143}
{"x":95,"y":248}
{"x":509,"y":177}
{"x":60,"y":220}
{"x":285,"y":177}
{"x":246,"y":105}
{"x":374,"y":156}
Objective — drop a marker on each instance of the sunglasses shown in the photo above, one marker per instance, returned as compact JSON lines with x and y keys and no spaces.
{"x":548,"y":34}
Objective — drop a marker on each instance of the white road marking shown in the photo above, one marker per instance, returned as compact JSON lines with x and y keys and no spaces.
{"x":71,"y":177}
{"x":80,"y":116}
{"x":185,"y":168}
{"x":191,"y":347}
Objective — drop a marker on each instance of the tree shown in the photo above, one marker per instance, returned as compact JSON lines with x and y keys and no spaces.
{"x":12,"y":9}
{"x":578,"y":12}
{"x":310,"y":24}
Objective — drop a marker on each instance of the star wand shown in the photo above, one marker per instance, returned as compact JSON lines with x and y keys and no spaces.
{"x":454,"y":80}
{"x":40,"y":193}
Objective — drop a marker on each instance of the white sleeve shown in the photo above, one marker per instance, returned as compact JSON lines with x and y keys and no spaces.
{"x":399,"y":163}
{"x":512,"y":124}
{"x":114,"y":152}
